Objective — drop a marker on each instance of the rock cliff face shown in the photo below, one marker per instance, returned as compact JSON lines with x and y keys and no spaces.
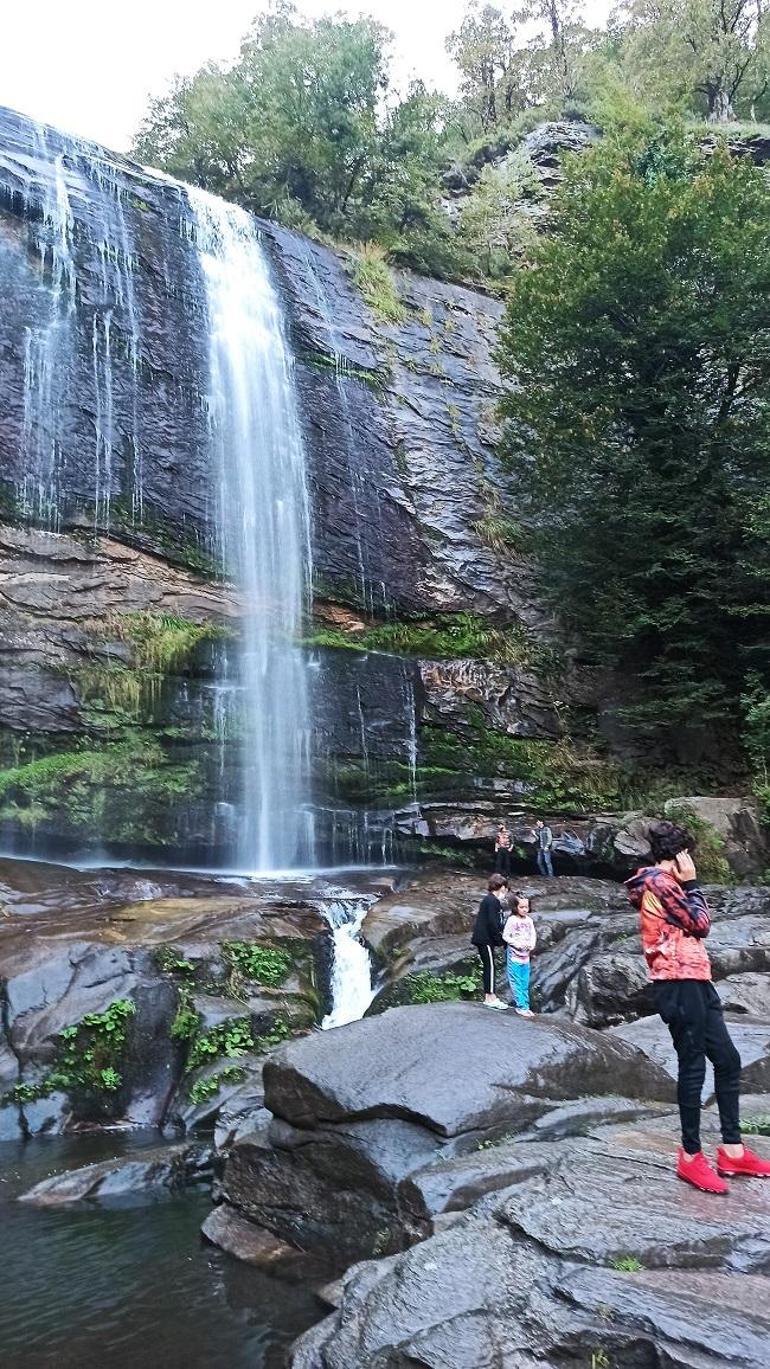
{"x":425,"y":616}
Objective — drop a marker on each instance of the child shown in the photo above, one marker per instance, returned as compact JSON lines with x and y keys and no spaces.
{"x":521,"y":938}
{"x":488,"y":934}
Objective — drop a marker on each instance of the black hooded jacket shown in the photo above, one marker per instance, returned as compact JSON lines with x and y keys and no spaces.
{"x":488,"y":927}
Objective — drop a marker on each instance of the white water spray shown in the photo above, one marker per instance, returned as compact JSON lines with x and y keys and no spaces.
{"x":263,"y":526}
{"x":351,"y":973}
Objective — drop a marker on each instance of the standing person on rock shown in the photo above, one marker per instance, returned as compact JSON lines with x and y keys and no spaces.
{"x":544,"y":839}
{"x":520,"y":937}
{"x":488,"y":935}
{"x":503,"y":851}
{"x":675,"y":921}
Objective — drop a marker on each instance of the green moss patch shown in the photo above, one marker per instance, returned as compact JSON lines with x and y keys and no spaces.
{"x":116,"y":788}
{"x":445,"y":636}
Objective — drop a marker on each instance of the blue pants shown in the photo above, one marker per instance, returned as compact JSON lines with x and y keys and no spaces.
{"x":518,"y":978}
{"x":544,"y":862}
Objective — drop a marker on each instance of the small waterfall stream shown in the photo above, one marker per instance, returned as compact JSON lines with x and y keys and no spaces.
{"x":351,"y":970}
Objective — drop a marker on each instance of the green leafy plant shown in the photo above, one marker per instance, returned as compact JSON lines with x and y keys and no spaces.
{"x":169,"y":962}
{"x":425,"y":987}
{"x":757,"y":1126}
{"x":231,"y":1038}
{"x":186,"y":1021}
{"x":87,"y":1057}
{"x":203,"y":1089}
{"x":627,"y":1264}
{"x":264,"y":964}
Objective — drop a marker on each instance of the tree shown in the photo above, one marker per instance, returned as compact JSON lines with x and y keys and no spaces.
{"x":710,"y":53}
{"x":292,"y":123}
{"x":498,"y":219}
{"x":491,"y":64}
{"x":638,"y":418}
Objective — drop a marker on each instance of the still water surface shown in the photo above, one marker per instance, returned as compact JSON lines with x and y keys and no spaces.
{"x":129,"y":1287}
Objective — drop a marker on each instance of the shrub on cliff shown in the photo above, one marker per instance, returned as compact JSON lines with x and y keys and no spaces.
{"x":638,"y":419}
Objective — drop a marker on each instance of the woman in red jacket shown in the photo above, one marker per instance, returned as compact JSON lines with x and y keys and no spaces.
{"x":675,"y":922}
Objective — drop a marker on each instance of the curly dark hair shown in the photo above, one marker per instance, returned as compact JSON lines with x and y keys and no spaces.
{"x":668,"y":840}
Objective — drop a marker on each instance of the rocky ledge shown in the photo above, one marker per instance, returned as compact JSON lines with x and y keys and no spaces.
{"x":506,"y":1191}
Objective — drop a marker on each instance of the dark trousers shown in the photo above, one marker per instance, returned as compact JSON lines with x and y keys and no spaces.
{"x":488,"y":967}
{"x":503,"y":861}
{"x":693,"y":1014}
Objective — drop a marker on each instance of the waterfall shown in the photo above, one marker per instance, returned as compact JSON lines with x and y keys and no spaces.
{"x":351,"y":971}
{"x":263,"y":524}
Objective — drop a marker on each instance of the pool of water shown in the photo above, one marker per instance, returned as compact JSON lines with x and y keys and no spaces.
{"x":130,"y":1286}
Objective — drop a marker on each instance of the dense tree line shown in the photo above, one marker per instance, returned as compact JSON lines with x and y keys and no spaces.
{"x":638,"y":428}
{"x":307,"y":127}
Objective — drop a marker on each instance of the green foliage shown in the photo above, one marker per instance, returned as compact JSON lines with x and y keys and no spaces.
{"x":162,"y":643}
{"x":496,"y":224}
{"x":446,"y":636}
{"x":374,"y":279}
{"x":425,"y":987}
{"x":638,"y":356}
{"x":627,"y":1264}
{"x":264,"y":964}
{"x":112,"y":787}
{"x":710,"y":849}
{"x":204,"y":1089}
{"x":87,"y":1057}
{"x":231,"y":1038}
{"x":711,"y":58}
{"x":756,"y":1126}
{"x":756,"y":736}
{"x":169,"y":962}
{"x":186,"y":1021}
{"x":559,"y":775}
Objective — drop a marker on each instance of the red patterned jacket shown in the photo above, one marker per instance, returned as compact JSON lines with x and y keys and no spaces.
{"x":675,"y":920}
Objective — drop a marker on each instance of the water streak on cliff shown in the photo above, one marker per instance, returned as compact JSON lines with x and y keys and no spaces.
{"x":263,"y":525}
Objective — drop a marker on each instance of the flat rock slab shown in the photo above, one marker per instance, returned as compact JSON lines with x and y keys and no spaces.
{"x":470,"y":1299}
{"x":750,"y":1034}
{"x":453,"y":1068}
{"x":151,"y":1171}
{"x":597,"y":1206}
{"x":246,"y":1242}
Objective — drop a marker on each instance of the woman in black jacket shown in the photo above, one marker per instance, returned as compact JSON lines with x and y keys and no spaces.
{"x":487,"y":934}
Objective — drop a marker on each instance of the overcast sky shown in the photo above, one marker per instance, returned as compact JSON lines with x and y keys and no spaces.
{"x":90,"y":66}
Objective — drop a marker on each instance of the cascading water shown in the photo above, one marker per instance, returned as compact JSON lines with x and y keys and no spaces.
{"x":263,"y":526}
{"x":350,"y":983}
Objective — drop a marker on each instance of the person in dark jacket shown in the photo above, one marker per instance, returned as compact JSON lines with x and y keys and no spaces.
{"x":503,"y":851}
{"x":488,"y":935}
{"x":675,"y":922}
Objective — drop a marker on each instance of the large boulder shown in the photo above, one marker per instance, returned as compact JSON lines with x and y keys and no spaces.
{"x":751,"y":1036}
{"x":494,"y":1068}
{"x":598,"y":1259}
{"x":364,"y":1115}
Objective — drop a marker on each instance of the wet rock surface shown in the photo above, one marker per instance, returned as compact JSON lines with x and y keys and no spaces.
{"x":588,"y":1253}
{"x":169,"y":1168}
{"x":371,"y":1102}
{"x":73,"y":944}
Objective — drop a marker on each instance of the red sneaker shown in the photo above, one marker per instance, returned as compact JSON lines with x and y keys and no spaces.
{"x":699,"y":1173}
{"x":749,"y":1164}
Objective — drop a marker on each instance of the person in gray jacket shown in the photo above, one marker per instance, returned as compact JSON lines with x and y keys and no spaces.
{"x":544,"y":841}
